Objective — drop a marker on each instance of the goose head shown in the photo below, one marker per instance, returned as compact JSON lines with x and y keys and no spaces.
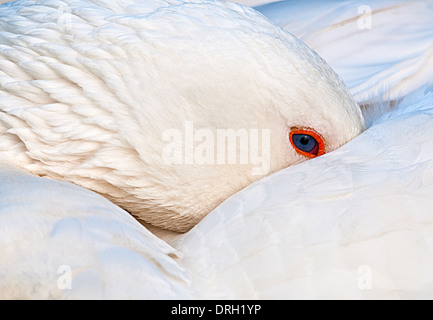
{"x":167,"y":110}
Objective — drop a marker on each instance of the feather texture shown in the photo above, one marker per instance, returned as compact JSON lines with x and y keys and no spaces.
{"x":82,"y":82}
{"x":354,"y":223}
{"x":62,"y":241}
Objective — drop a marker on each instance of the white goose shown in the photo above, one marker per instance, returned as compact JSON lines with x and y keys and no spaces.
{"x":294,"y":234}
{"x":94,"y":93}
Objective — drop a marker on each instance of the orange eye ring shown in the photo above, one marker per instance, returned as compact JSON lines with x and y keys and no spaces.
{"x":307,"y":142}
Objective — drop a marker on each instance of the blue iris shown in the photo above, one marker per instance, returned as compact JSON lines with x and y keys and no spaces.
{"x":306,"y":143}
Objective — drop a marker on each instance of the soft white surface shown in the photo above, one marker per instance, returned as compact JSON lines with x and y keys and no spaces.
{"x":55,"y":236}
{"x":391,"y":56}
{"x":355,"y":223}
{"x":92,"y":91}
{"x":251,"y":3}
{"x":302,"y":233}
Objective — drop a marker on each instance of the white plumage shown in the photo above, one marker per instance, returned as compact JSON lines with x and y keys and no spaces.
{"x":83,"y":82}
{"x":354,"y":223}
{"x":62,"y":241}
{"x":369,"y":44}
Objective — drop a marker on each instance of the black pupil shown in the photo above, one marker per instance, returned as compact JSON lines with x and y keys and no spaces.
{"x":306,"y":143}
{"x":305,"y":140}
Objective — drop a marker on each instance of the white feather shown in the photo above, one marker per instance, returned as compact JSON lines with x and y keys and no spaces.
{"x":354,"y":223}
{"x":86,"y":81}
{"x":378,"y":47}
{"x":62,"y":241}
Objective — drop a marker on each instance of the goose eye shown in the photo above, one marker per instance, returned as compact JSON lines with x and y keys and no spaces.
{"x":307,"y":143}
